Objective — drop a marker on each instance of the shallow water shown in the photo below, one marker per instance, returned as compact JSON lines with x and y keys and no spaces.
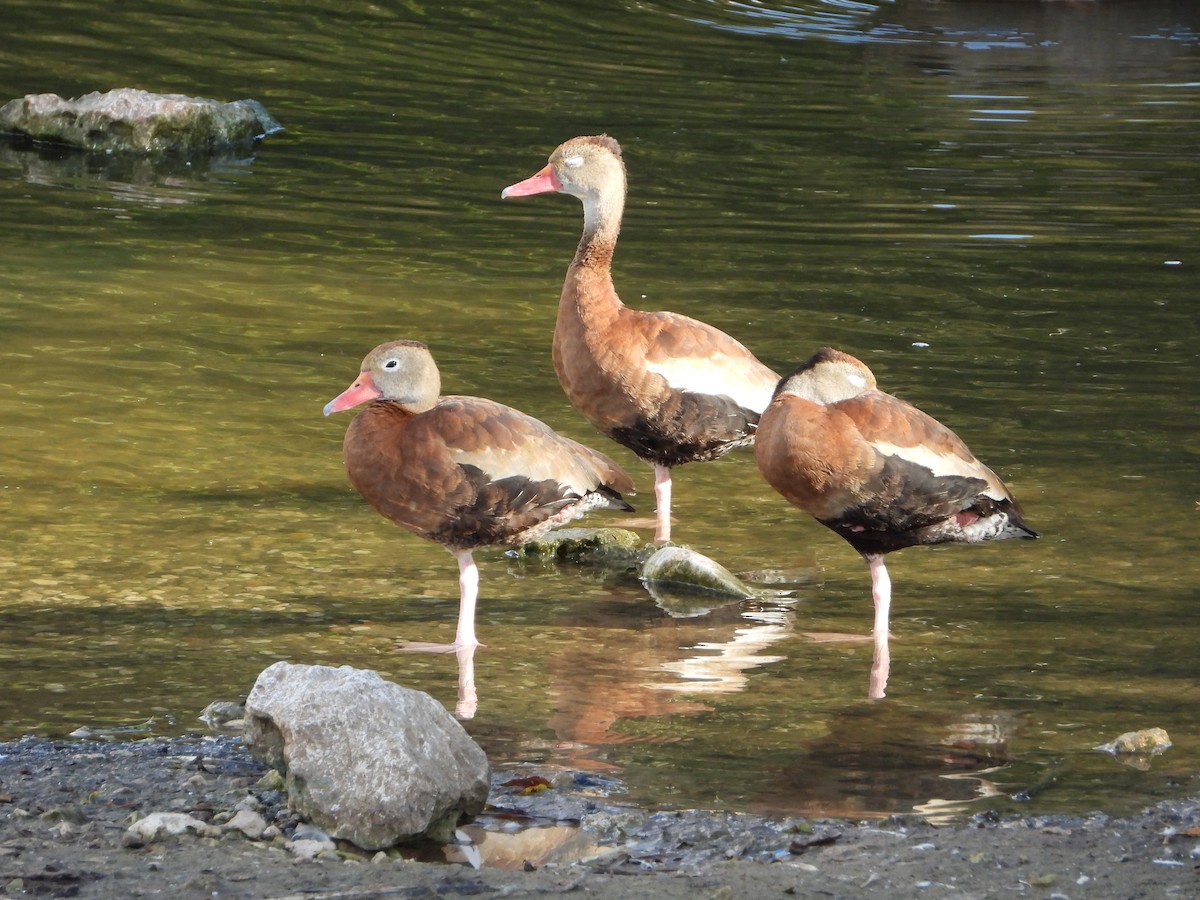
{"x":994,"y":204}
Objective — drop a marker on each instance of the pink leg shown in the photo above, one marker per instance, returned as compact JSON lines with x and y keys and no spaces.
{"x":881,"y":593}
{"x":662,"y":500}
{"x":468,"y":592}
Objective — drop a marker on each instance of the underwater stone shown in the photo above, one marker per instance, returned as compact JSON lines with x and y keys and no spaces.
{"x":365,"y":759}
{"x":127,"y":120}
{"x":604,"y":546}
{"x":223,"y":714}
{"x":1148,"y":741}
{"x":683,"y":568}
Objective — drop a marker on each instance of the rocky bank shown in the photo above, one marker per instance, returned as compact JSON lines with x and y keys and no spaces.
{"x":66,"y":809}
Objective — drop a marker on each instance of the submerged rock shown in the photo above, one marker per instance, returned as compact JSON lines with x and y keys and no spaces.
{"x":223,"y":714}
{"x":127,"y":120}
{"x":1149,"y":741}
{"x":601,"y":546}
{"x":364,"y":759}
{"x":686,"y":570}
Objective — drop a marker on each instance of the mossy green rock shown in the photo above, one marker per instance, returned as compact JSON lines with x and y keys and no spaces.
{"x":682,"y":568}
{"x":1150,"y":741}
{"x":598,"y":546}
{"x":132,"y":121}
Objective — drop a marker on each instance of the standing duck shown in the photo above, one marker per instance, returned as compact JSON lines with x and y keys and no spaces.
{"x":877,"y":471}
{"x":463,"y":471}
{"x":671,"y":389}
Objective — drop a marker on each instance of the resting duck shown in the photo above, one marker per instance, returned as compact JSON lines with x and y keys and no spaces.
{"x":671,"y":389}
{"x":877,"y":471}
{"x":463,"y":471}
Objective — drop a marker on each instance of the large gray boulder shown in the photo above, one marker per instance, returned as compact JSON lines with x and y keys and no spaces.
{"x":131,"y":121}
{"x":368,"y":761}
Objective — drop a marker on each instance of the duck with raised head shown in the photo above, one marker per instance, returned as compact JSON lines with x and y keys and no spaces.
{"x":670,"y":388}
{"x":465,"y":472}
{"x":877,"y":471}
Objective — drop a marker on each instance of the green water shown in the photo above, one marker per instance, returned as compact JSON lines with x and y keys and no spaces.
{"x":994,"y":204}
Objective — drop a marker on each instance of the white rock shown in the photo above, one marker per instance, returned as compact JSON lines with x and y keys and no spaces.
{"x":162,"y":825}
{"x":309,"y":849}
{"x":249,"y":823}
{"x":369,"y":761}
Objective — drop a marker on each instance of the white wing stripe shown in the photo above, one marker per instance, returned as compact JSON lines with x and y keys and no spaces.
{"x":706,"y":376}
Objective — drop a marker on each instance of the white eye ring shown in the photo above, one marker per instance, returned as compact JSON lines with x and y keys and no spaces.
{"x":391,"y":364}
{"x":573,"y":162}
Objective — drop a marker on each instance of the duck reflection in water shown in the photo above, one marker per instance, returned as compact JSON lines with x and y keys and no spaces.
{"x":636,"y":668}
{"x":878,"y":472}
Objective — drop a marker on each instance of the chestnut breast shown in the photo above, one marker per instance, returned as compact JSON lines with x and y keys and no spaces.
{"x":469,"y":472}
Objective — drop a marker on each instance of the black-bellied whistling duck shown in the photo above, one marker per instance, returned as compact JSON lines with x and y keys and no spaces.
{"x":463,"y":471}
{"x":671,"y":389}
{"x":878,"y":471}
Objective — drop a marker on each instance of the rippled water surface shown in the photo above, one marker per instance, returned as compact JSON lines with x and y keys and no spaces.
{"x":994,"y":204}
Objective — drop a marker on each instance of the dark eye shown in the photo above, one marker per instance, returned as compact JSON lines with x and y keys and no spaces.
{"x":391,"y":364}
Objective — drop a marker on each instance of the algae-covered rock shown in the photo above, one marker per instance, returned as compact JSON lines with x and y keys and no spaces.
{"x":1149,"y":741}
{"x":685,"y":569}
{"x":598,"y":546}
{"x":127,"y":120}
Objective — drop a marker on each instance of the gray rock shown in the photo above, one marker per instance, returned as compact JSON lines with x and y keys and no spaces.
{"x":132,"y":121}
{"x":684,"y":569}
{"x":223,"y":714}
{"x":369,"y":761}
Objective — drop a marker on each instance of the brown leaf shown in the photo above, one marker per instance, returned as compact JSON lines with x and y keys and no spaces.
{"x":531,"y":785}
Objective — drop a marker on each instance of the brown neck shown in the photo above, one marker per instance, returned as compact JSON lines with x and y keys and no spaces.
{"x":589,"y":305}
